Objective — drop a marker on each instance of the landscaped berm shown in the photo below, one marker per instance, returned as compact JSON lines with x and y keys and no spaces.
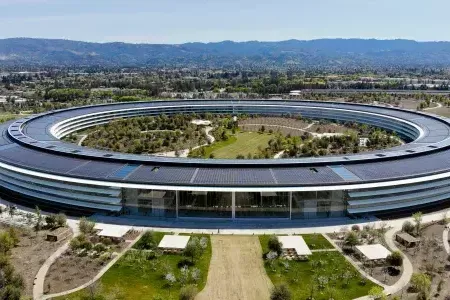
{"x":149,"y":272}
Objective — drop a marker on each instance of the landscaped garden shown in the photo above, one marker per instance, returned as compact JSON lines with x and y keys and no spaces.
{"x":323,"y":275}
{"x":147,"y":273}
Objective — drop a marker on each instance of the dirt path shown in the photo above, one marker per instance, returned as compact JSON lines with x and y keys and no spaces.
{"x":236,"y":271}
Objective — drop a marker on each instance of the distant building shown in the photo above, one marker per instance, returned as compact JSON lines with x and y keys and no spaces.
{"x":295,"y":93}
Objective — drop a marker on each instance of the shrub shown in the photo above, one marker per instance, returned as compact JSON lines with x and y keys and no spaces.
{"x":147,"y":241}
{"x":421,"y":282}
{"x":188,"y":292}
{"x":51,"y":220}
{"x":356,"y":228}
{"x":408,"y":227}
{"x":99,"y":247}
{"x":86,"y":226}
{"x":351,"y":239}
{"x":377,"y":292}
{"x":6,"y":242}
{"x":395,"y":259}
{"x":275,"y":245}
{"x":280,"y":292}
{"x":61,"y":220}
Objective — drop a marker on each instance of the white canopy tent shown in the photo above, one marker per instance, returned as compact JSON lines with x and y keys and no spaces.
{"x":178,"y":242}
{"x":373,"y":252}
{"x":112,"y":231}
{"x":295,"y":242}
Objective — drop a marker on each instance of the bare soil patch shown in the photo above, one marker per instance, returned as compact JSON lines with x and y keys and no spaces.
{"x":31,"y":252}
{"x":71,"y":270}
{"x":236,"y":270}
{"x":430,"y":257}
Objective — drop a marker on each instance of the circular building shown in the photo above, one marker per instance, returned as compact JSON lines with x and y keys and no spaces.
{"x":37,"y":167}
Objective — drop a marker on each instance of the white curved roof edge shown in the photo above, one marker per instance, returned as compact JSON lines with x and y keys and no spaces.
{"x":228,"y":188}
{"x":56,"y":125}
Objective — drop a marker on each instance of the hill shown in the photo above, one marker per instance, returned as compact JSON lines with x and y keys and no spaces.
{"x":329,"y":53}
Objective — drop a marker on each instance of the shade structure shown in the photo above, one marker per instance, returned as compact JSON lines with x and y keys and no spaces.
{"x":295,"y":242}
{"x":373,"y":252}
{"x":174,"y":241}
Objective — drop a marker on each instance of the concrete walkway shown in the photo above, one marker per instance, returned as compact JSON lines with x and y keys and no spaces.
{"x":38,"y":285}
{"x":38,"y":291}
{"x":354,"y":264}
{"x":445,"y":237}
{"x":407,"y":266}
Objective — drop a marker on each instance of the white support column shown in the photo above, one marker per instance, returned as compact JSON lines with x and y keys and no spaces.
{"x":290,"y":205}
{"x":233,"y":205}
{"x":177,"y":195}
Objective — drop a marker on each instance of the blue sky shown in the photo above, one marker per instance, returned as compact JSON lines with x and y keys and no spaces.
{"x":178,"y":21}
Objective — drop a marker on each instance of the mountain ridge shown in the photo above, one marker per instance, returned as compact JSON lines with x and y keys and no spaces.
{"x":317,"y":53}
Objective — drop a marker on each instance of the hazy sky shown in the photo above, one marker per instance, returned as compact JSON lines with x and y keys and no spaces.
{"x":178,"y":21}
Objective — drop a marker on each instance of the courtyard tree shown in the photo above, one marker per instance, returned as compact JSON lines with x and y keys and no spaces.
{"x":395,"y":259}
{"x":417,"y":217}
{"x":86,"y":226}
{"x":351,"y":240}
{"x":188,"y":292}
{"x":421,"y":283}
{"x":275,"y":245}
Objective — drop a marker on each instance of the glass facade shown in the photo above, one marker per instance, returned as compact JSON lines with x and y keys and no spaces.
{"x":152,"y":203}
{"x":202,"y":204}
{"x":262,"y":205}
{"x":318,"y":204}
{"x":247,"y":205}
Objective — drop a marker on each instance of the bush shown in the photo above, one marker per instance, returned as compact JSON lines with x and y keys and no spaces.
{"x":275,"y":245}
{"x":356,"y":228}
{"x":147,"y":241}
{"x":61,"y":220}
{"x":86,"y":226}
{"x":99,"y":247}
{"x":51,"y":221}
{"x":280,"y":292}
{"x":408,"y":227}
{"x":421,"y":283}
{"x":188,"y":292}
{"x":395,"y":259}
{"x":6,"y":242}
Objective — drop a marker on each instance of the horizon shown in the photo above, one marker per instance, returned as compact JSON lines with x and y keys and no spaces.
{"x":231,"y":41}
{"x":175,"y":22}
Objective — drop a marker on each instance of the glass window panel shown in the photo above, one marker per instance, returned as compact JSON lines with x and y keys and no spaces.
{"x":202,"y":204}
{"x":262,"y":205}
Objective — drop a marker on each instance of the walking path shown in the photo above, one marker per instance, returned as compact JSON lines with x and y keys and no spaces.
{"x":445,"y":237}
{"x":236,"y":271}
{"x":439,"y":105}
{"x":354,"y":264}
{"x":407,"y":265}
{"x":83,"y":137}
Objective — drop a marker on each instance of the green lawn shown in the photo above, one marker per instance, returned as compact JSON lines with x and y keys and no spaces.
{"x":326,"y":275}
{"x":134,"y":277}
{"x":314,"y":241}
{"x":241,"y":143}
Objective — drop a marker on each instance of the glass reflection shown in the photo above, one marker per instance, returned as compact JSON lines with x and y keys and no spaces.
{"x":262,"y":205}
{"x":202,"y":204}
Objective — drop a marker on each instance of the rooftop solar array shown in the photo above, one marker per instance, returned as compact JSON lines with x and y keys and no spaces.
{"x":36,"y":148}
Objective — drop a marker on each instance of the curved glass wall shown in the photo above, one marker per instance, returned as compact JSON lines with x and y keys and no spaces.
{"x":202,"y":204}
{"x":262,"y":205}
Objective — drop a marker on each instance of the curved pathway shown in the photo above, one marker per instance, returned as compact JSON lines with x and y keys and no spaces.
{"x":407,"y":265}
{"x":445,"y":237}
{"x":38,"y":291}
{"x":236,"y":271}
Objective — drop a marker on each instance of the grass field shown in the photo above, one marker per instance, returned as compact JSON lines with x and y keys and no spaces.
{"x":314,"y":242}
{"x":134,"y":277}
{"x":327,"y":275}
{"x":241,"y":143}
